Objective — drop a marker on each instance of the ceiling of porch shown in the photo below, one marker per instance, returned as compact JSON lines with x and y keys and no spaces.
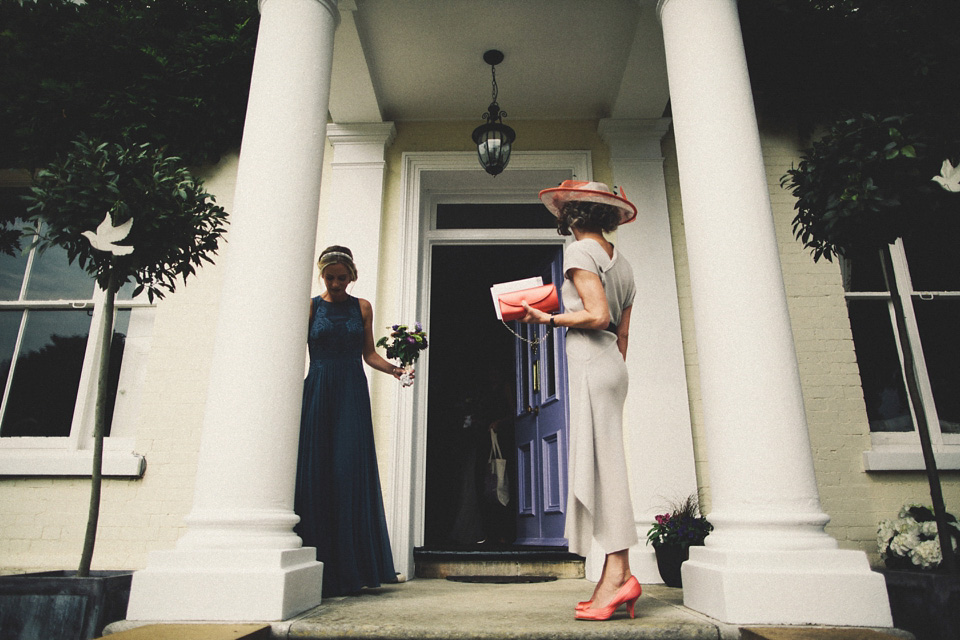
{"x":406,"y":60}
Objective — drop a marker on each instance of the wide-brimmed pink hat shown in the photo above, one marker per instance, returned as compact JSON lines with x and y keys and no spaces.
{"x":580,"y":191}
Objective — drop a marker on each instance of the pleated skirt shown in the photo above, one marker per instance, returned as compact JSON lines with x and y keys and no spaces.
{"x":338,"y":495}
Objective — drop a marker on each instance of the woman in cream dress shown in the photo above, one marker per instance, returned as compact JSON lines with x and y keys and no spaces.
{"x":598,"y":291}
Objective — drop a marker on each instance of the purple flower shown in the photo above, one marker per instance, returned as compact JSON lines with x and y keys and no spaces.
{"x":411,"y":340}
{"x":419,"y":328}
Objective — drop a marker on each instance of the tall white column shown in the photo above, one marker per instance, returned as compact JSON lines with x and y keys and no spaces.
{"x":769,"y":559}
{"x":657,"y":432}
{"x":356,"y":198}
{"x":239,"y":558}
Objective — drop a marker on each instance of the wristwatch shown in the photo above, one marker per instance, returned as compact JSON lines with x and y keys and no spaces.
{"x":553,"y":324}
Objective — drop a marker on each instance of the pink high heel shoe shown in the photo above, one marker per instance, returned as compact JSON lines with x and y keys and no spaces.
{"x":627,"y":594}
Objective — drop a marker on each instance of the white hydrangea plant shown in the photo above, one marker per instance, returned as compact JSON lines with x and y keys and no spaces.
{"x":910,"y":540}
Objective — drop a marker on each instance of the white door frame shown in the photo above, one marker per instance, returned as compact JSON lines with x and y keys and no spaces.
{"x":427,"y":178}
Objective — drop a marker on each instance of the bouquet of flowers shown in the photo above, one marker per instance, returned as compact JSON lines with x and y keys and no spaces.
{"x":404,"y":345}
{"x":910,"y":541}
{"x":683,"y":526}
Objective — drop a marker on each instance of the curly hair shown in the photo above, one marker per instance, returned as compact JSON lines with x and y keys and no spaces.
{"x":587,"y":216}
{"x":337,"y":254}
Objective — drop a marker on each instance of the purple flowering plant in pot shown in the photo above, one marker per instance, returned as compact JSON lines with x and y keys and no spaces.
{"x":672,"y":535}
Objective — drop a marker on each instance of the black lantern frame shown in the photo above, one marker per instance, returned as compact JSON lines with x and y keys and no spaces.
{"x":494,"y":139}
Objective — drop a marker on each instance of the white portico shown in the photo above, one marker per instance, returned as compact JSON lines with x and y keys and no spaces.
{"x":769,"y":560}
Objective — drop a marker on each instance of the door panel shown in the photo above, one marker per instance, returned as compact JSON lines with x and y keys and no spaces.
{"x":542,"y":426}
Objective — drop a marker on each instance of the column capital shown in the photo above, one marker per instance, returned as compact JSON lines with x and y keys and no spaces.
{"x":362,"y":142}
{"x":363,"y":132}
{"x":634,"y":139}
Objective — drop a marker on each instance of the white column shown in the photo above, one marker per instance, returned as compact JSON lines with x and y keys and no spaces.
{"x":356,"y":198}
{"x":657,"y":433}
{"x":239,"y":558}
{"x":769,"y":560}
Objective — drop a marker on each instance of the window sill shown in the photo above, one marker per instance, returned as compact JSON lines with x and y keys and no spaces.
{"x":909,"y":459}
{"x":54,"y":462}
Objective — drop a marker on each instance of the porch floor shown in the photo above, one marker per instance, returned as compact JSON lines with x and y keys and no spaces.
{"x":435,"y":609}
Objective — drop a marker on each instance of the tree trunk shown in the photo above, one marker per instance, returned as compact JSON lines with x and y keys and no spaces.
{"x":96,"y":476}
{"x":923,"y":429}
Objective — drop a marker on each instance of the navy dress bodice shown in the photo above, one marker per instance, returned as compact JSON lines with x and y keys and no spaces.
{"x":338,"y":496}
{"x":336,"y":330}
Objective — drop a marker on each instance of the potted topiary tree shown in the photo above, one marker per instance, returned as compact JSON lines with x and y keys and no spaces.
{"x":124,"y":213}
{"x":867,"y":182}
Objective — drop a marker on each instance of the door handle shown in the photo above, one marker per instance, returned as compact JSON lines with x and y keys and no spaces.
{"x":536,"y":376}
{"x":534,"y":410}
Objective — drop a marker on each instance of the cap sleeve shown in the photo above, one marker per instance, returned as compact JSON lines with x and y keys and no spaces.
{"x":577,"y":256}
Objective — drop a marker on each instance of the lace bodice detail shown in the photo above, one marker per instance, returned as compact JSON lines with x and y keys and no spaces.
{"x":336,"y":330}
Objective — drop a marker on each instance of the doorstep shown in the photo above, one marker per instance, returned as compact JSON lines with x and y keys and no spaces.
{"x":443,"y":609}
{"x":508,"y":561}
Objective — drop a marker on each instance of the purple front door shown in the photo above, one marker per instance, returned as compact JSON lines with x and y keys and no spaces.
{"x":542,"y":425}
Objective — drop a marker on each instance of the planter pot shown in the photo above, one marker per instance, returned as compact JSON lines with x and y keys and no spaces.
{"x":924,"y":603}
{"x":669,"y":559}
{"x":58,"y":604}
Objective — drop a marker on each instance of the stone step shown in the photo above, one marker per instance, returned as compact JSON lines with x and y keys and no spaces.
{"x":817,"y":633}
{"x":199,"y":631}
{"x":548,"y":562}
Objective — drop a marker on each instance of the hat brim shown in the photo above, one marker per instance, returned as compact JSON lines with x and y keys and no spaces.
{"x":554,"y":199}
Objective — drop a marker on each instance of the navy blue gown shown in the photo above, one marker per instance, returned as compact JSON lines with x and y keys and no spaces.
{"x":338,"y":494}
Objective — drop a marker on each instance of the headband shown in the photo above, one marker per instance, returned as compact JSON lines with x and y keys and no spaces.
{"x":338,"y":254}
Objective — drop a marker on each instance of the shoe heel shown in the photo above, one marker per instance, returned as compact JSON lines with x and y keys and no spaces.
{"x":631,"y":604}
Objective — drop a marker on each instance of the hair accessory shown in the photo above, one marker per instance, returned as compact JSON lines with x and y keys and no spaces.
{"x":338,"y":254}
{"x":581,"y":191}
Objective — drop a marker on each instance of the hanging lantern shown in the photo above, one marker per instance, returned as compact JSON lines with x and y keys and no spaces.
{"x":494,"y":138}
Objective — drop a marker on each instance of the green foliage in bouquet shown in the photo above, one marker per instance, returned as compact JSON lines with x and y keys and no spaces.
{"x":404,"y":345}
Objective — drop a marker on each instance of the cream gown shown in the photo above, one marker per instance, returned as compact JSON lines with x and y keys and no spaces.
{"x":598,"y":499}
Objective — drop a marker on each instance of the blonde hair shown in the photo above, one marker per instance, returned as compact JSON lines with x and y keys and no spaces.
{"x":337,"y":255}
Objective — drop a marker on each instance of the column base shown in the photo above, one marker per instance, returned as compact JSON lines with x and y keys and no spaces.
{"x":826,"y":587}
{"x":228,"y":585}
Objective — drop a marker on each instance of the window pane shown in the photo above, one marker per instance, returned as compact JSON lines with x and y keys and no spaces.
{"x":938,"y":321}
{"x":883,"y":388}
{"x":126,"y":291}
{"x":933,"y":257}
{"x":9,"y":327}
{"x":862,"y":272}
{"x":52,"y":277}
{"x":11,"y":267}
{"x":47,"y":374}
{"x":494,"y":216}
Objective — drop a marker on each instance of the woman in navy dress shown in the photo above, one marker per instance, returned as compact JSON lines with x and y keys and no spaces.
{"x":338,"y":494}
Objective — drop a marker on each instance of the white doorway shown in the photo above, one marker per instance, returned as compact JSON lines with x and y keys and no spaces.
{"x":429,"y":180}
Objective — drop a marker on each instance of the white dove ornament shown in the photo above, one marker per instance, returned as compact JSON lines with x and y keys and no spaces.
{"x":107,"y":235}
{"x":949,"y":177}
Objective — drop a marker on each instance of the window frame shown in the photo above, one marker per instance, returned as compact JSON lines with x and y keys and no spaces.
{"x":900,"y":451}
{"x":72,"y":455}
